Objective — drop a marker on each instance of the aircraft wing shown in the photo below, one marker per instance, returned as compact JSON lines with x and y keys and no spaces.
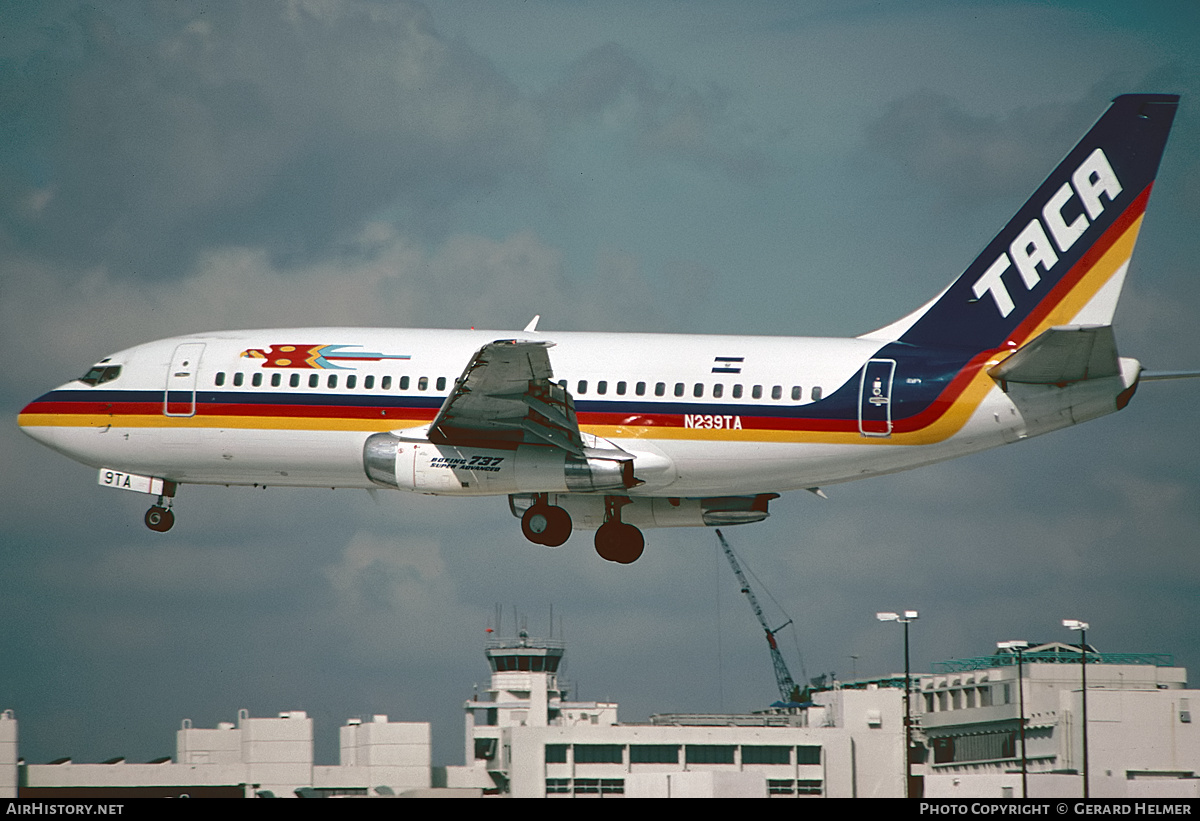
{"x":1061,"y":355}
{"x":505,"y":395}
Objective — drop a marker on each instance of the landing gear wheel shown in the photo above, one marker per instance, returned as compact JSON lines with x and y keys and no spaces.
{"x":546,"y":525}
{"x":159,"y":519}
{"x":619,"y":542}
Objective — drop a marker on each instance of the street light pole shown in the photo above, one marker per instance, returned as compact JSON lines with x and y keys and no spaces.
{"x":1082,"y":627}
{"x":1019,"y":647}
{"x":909,"y":616}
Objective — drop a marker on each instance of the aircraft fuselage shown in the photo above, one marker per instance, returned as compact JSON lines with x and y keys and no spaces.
{"x":702,"y":415}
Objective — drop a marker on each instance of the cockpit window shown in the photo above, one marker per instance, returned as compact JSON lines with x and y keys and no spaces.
{"x":99,"y":374}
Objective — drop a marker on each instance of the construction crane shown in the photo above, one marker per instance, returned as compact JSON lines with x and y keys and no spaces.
{"x":788,"y":691}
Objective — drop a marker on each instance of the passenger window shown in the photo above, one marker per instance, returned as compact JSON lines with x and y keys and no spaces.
{"x":562,"y":383}
{"x":640,"y":389}
{"x":620,"y":389}
{"x":404,"y":383}
{"x":237,"y":380}
{"x":698,"y":390}
{"x":256,"y":380}
{"x":737,"y":391}
{"x":602,"y":387}
{"x":385,"y":384}
{"x":351,"y":381}
{"x":797,"y":393}
{"x":679,"y":389}
{"x":276,"y":380}
{"x":423,"y":383}
{"x":816,"y":394}
{"x":777,"y":392}
{"x":220,"y":380}
{"x":756,"y":392}
{"x":441,"y":383}
{"x":295,"y":380}
{"x":718,"y":390}
{"x":368,"y":382}
{"x":581,"y":388}
{"x":331,"y":381}
{"x":660,"y":388}
{"x":314,"y":380}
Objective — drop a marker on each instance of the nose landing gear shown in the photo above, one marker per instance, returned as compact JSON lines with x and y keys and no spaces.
{"x":159,"y":518}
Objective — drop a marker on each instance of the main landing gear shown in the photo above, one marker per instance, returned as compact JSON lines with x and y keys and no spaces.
{"x":550,"y":525}
{"x":546,"y":524}
{"x":615,"y":540}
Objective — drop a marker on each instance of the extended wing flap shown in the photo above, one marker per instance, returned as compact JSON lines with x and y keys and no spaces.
{"x":1061,"y":355}
{"x":505,"y":395}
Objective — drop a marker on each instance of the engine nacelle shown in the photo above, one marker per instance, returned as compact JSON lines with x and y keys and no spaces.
{"x":425,"y":467}
{"x":588,"y":512}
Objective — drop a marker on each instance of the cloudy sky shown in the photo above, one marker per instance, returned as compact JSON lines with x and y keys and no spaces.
{"x":814,"y":168}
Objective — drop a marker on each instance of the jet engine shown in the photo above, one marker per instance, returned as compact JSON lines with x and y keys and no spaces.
{"x":440,"y":469}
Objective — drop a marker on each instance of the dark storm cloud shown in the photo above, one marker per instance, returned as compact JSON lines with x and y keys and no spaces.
{"x":293,"y":164}
{"x":263,"y":123}
{"x":615,"y":89}
{"x":971,"y":157}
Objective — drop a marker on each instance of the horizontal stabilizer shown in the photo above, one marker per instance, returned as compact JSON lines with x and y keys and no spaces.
{"x":1154,"y":376}
{"x":1061,"y":355}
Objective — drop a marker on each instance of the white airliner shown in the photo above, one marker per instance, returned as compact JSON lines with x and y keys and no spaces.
{"x":616,"y":432}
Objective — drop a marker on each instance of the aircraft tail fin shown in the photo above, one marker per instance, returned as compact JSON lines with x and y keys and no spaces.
{"x":1062,"y":259}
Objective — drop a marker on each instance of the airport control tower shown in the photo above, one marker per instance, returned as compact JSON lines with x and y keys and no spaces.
{"x":525,"y":691}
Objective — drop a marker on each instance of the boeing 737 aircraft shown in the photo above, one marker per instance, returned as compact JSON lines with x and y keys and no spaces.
{"x":616,"y":432}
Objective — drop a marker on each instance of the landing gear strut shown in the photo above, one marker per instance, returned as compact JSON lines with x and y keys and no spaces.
{"x":615,"y":540}
{"x":546,"y":524}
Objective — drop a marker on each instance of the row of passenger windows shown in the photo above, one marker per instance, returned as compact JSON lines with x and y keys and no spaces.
{"x":331,"y":381}
{"x":698,"y":390}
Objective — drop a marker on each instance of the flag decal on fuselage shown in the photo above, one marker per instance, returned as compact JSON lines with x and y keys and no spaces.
{"x":728,"y":364}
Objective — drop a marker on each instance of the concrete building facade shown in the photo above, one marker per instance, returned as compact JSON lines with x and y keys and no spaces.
{"x":1142,"y":741}
{"x":523,"y":737}
{"x":532,"y":742}
{"x":265,"y":757}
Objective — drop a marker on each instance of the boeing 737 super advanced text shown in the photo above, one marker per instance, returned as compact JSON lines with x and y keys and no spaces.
{"x":616,"y":432}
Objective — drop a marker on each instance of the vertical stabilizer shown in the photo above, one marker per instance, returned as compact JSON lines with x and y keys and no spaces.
{"x":1062,"y":259}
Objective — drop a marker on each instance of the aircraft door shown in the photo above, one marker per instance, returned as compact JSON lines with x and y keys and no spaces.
{"x":875,"y":398}
{"x":179,"y":396}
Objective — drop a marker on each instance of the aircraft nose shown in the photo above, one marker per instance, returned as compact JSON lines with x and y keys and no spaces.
{"x":33,"y":418}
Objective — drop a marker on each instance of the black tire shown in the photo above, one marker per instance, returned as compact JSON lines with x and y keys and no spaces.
{"x":160,"y":519}
{"x":559,"y":529}
{"x":619,"y":542}
{"x":546,"y":525}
